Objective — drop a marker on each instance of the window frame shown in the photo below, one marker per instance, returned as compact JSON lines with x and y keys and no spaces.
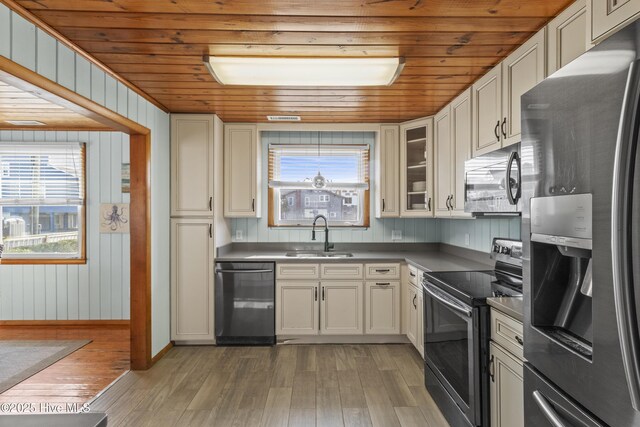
{"x":366,"y":199}
{"x":62,"y":259}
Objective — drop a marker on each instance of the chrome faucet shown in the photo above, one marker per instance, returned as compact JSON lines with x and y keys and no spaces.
{"x":327,"y":246}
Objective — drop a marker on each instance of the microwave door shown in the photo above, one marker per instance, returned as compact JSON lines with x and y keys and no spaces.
{"x":625,"y":238}
{"x":486,"y":189}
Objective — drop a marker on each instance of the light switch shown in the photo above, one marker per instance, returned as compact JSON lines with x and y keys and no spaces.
{"x":466,"y":239}
{"x":239,"y":235}
{"x":396,"y":234}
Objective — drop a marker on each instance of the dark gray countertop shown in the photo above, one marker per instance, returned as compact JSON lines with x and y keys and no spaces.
{"x":511,"y":306}
{"x":430,"y":257}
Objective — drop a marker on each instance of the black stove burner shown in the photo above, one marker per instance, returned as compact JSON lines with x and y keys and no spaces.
{"x":474,"y":287}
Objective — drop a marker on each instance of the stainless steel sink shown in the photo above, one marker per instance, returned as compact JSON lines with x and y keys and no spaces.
{"x":318,"y":254}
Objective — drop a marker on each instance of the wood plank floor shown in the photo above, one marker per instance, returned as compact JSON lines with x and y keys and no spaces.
{"x":80,"y":376}
{"x":286,"y":385}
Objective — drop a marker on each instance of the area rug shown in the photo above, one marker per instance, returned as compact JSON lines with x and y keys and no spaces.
{"x":21,"y":359}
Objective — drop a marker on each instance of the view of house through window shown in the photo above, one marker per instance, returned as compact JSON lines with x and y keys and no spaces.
{"x":42,"y":191}
{"x":295,"y":201}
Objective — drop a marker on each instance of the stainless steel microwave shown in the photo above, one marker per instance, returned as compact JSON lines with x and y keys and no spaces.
{"x":493,"y":183}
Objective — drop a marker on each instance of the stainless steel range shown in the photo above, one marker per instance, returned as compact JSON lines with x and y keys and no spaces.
{"x":456,"y":333}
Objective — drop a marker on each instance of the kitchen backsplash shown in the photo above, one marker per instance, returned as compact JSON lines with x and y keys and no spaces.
{"x":476,"y":232}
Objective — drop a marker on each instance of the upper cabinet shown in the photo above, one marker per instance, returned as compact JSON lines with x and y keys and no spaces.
{"x":496,"y":117}
{"x":192,"y":181}
{"x":461,"y":142}
{"x":416,"y":168}
{"x":452,"y":142}
{"x":443,"y":153}
{"x":608,"y":16}
{"x":241,"y":171}
{"x":387,"y":183}
{"x":487,"y":111}
{"x":521,"y":71}
{"x":567,"y":36}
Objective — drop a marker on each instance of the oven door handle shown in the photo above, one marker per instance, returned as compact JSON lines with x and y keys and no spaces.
{"x":460,"y":309}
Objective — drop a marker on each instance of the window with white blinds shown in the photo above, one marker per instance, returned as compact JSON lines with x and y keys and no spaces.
{"x":42,"y":196}
{"x":295,"y":200}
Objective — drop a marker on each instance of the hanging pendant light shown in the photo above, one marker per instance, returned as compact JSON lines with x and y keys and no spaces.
{"x":319,"y":181}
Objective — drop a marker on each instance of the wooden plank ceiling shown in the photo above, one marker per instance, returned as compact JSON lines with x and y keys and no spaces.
{"x":158,"y":45}
{"x":17,"y":104}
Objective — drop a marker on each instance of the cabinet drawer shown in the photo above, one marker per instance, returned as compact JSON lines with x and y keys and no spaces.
{"x":382,"y":271}
{"x":507,"y":332}
{"x":413,"y":275}
{"x":341,"y":271}
{"x":297,"y":271}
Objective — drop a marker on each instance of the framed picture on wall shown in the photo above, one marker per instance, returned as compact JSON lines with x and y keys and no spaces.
{"x":114,"y":218}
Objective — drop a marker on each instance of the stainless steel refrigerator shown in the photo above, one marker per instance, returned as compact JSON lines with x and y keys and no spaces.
{"x":581,"y":236}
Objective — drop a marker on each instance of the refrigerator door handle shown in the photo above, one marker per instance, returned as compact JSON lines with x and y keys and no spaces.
{"x":550,"y":414}
{"x":621,"y":245}
{"x":513,"y":199}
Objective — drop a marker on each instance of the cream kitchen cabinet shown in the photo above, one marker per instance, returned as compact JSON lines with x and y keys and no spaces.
{"x":297,"y":307}
{"x":505,"y":371}
{"x":387,"y":183}
{"x":338,"y":299}
{"x":412,"y":314}
{"x":608,"y":16}
{"x":192,"y":276}
{"x":416,"y":168}
{"x":421,"y":315}
{"x":192,"y":179}
{"x":242,"y":184}
{"x":506,"y":389}
{"x":443,"y":153}
{"x":567,"y":36}
{"x":341,"y":308}
{"x":487,"y":112}
{"x":496,"y":96}
{"x":415,"y":316}
{"x":521,"y":71}
{"x":452,"y":142}
{"x":461,"y":142}
{"x":382,"y":308}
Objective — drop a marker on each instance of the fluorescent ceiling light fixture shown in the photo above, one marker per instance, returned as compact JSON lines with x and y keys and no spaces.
{"x":25,"y":123}
{"x":267,"y":71}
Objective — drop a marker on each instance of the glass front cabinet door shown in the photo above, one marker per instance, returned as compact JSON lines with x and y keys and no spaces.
{"x":416,"y":159}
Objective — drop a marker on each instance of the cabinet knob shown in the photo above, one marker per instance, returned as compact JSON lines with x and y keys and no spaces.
{"x":383,"y":284}
{"x":504,"y":128}
{"x":253,"y":205}
{"x":496,"y":130}
{"x":382,"y":205}
{"x":210,"y":203}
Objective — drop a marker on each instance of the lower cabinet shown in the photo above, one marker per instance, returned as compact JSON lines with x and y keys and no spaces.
{"x":412,"y":315}
{"x":506,"y":371}
{"x":421,"y":314}
{"x":297,"y":308}
{"x":507,"y":385}
{"x":341,"y":308}
{"x":192,"y":258}
{"x":382,"y":308}
{"x":337,"y":299}
{"x":415,"y":318}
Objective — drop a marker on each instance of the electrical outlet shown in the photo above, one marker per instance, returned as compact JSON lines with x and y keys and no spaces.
{"x":239,"y":235}
{"x":396,"y":234}
{"x":467,"y":240}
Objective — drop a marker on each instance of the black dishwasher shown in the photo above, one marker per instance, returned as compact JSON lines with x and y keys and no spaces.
{"x":245,"y":306}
